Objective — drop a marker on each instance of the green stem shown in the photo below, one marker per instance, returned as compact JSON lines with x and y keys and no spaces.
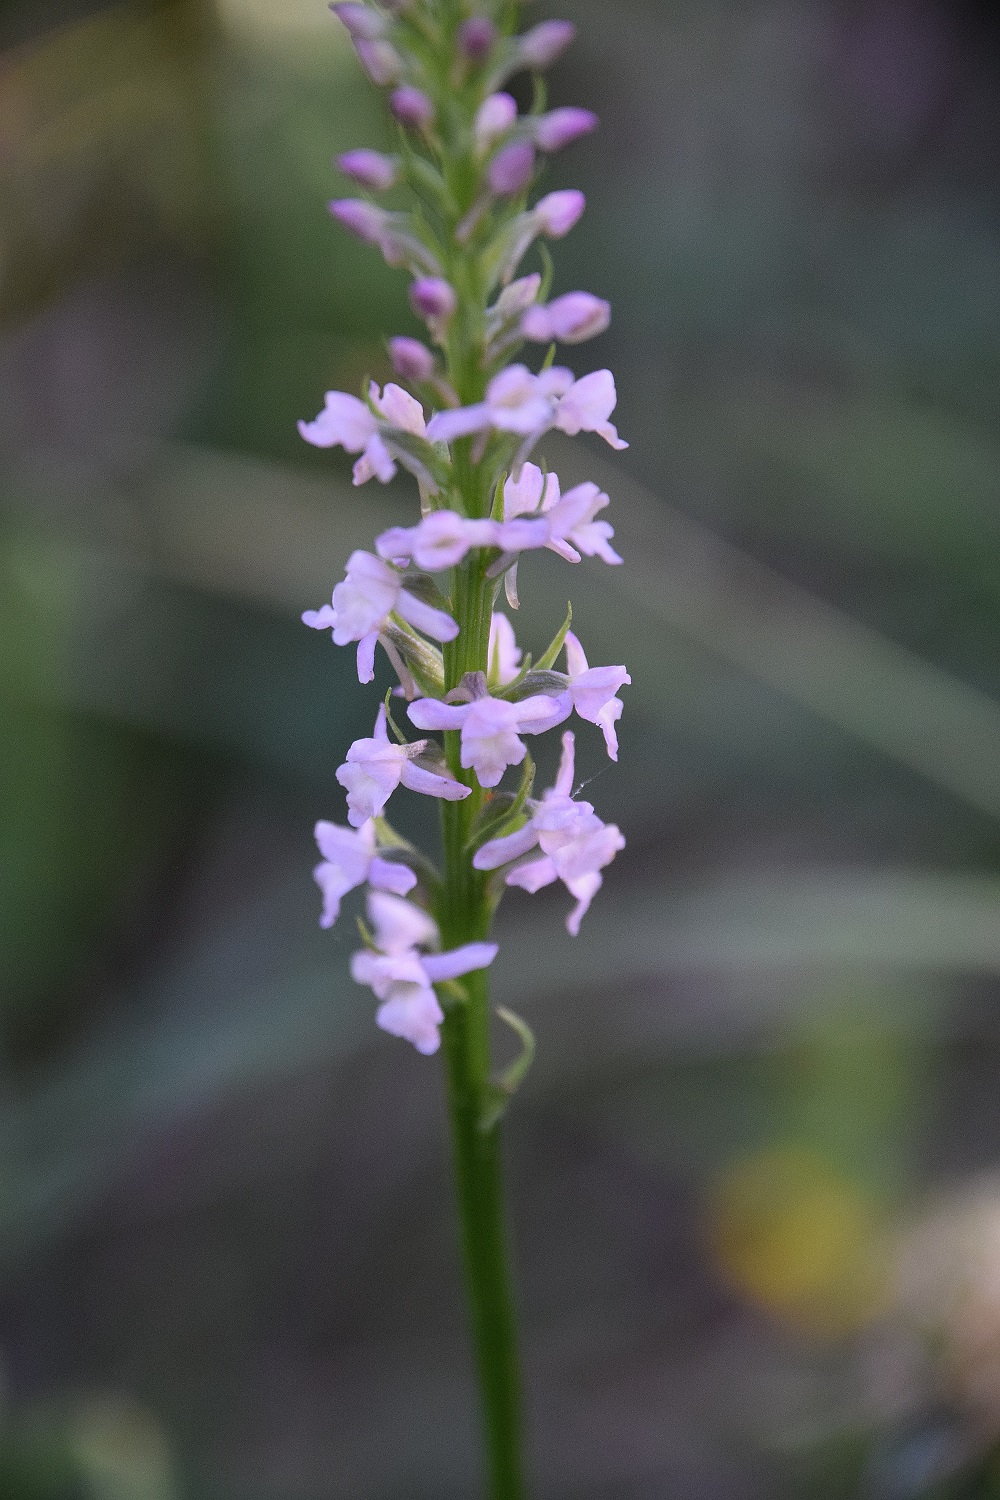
{"x":479,"y":1184}
{"x":464,"y":913}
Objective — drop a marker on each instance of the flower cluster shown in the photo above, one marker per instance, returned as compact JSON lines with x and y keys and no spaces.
{"x":464,"y":416}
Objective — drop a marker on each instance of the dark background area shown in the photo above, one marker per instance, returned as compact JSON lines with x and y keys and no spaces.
{"x":754,"y":1171}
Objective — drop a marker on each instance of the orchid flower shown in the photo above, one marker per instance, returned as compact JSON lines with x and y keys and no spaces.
{"x":490,"y":727}
{"x":575,"y":844}
{"x":375,"y":767}
{"x":363,"y":603}
{"x":350,"y":858}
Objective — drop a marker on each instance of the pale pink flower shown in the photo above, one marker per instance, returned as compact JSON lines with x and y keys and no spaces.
{"x":411,"y":359}
{"x":432,"y":297}
{"x":442,"y":539}
{"x":380,"y":60}
{"x":556,"y":213}
{"x":364,"y":601}
{"x":490,"y":727}
{"x":562,"y":126}
{"x":573,"y":529}
{"x":516,"y":401}
{"x":511,"y":170}
{"x":362,"y":21}
{"x":476,"y":37}
{"x":568,"y":320}
{"x":403,"y":978}
{"x":539,"y":47}
{"x":504,"y":655}
{"x":370,"y":169}
{"x":389,"y":232}
{"x":587,"y":405}
{"x":411,"y":107}
{"x":575,"y":844}
{"x":403,"y":982}
{"x":398,"y":925}
{"x":350,"y":424}
{"x":553,"y":216}
{"x":349,"y":859}
{"x":570,"y":517}
{"x":376,"y":767}
{"x":593,"y":692}
{"x":495,"y":116}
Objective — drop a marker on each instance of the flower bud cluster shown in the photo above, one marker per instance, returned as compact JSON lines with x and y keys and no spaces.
{"x":465,"y":429}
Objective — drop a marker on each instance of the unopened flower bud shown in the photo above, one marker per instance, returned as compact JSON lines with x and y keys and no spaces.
{"x":494,"y":118}
{"x":432,"y":297}
{"x":369,"y":169}
{"x":476,"y":37}
{"x":517,"y":297}
{"x":380,"y":61}
{"x":363,"y":23}
{"x":511,"y":169}
{"x":561,"y":126}
{"x":556,"y":213}
{"x":540,"y":46}
{"x":568,"y":320}
{"x":411,"y":107}
{"x":363,"y":219}
{"x":411,"y":359}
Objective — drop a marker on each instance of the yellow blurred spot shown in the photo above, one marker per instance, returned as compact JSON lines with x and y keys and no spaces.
{"x":800,"y":1239}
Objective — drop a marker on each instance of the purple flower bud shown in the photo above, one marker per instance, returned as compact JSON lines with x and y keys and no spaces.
{"x":556,"y":213}
{"x":433,"y":297}
{"x":568,"y":320}
{"x":540,"y":46}
{"x":363,"y":219}
{"x":380,"y":61}
{"x":363,"y":24}
{"x":511,"y":169}
{"x":411,"y":107}
{"x":494,"y":118}
{"x":561,"y":126}
{"x":476,"y":37}
{"x":411,"y":359}
{"x":369,"y":169}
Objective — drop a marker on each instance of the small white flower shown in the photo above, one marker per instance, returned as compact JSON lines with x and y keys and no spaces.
{"x":349,"y":859}
{"x":490,"y":727}
{"x":575,"y":844}
{"x":363,"y":603}
{"x":375,"y":767}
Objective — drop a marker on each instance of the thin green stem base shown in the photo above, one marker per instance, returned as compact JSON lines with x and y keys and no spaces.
{"x":479,"y":1187}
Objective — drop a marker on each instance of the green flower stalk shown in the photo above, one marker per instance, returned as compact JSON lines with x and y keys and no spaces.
{"x":463,"y":418}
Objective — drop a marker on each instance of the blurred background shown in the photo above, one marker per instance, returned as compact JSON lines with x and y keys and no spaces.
{"x":756,"y":1170}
